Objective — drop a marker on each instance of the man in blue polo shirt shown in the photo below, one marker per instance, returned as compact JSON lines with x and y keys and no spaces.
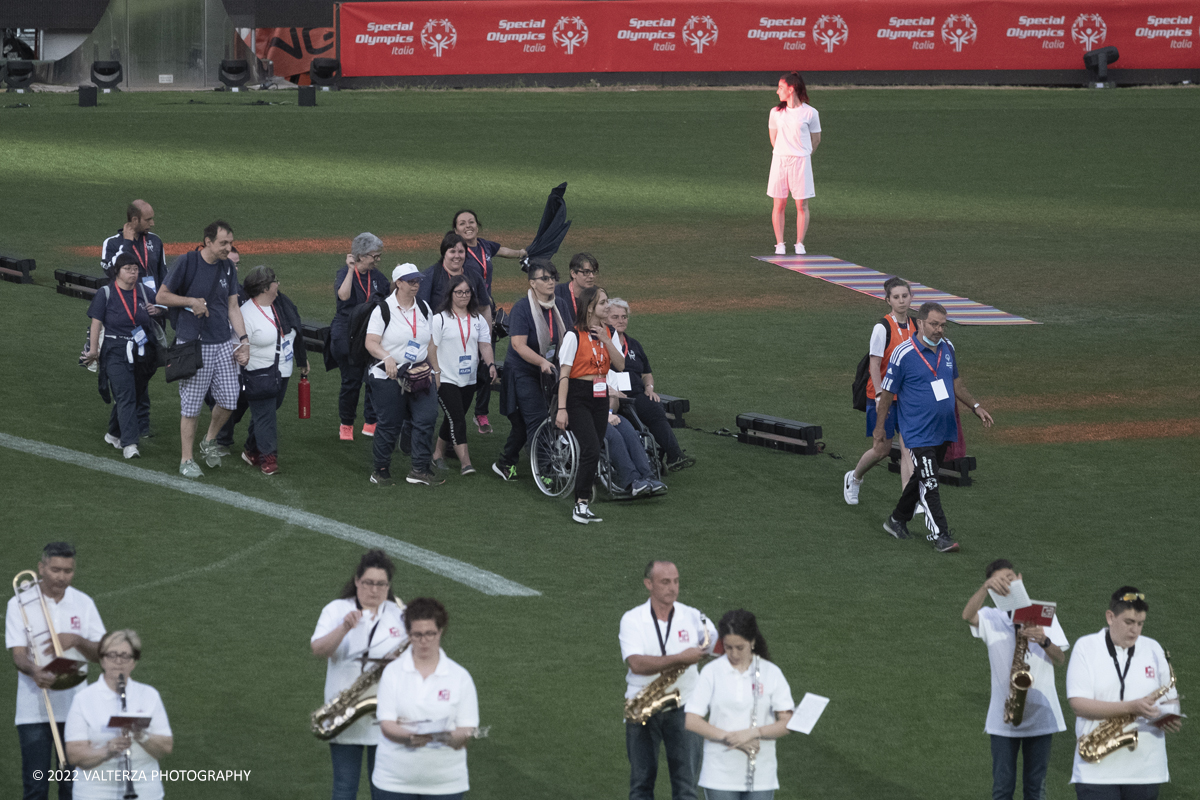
{"x":922,"y":375}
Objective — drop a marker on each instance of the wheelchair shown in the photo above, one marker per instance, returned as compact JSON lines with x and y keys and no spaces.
{"x":554,"y":454}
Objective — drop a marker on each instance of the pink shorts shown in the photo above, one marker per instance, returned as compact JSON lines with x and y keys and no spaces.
{"x":791,"y":174}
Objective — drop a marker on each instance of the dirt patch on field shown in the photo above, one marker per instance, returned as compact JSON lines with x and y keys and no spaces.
{"x":1142,"y":398}
{"x":1100,"y":432}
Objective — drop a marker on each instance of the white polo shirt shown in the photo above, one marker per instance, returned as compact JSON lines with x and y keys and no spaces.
{"x":444,"y":701}
{"x":88,"y":721}
{"x":726,"y":697}
{"x":458,"y":339}
{"x":260,"y":324}
{"x":405,"y":337}
{"x":685,"y":630}
{"x":376,"y":635}
{"x":1092,"y":674}
{"x":1043,"y":714}
{"x":77,"y":614}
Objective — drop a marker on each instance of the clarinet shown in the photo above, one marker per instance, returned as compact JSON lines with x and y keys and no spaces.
{"x":126,"y":761}
{"x":752,"y":764}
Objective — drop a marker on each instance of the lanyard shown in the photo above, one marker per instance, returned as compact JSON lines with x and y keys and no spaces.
{"x":937,"y":355}
{"x":132,"y":321}
{"x":574,"y":304}
{"x":551,"y":325}
{"x":662,"y":639}
{"x":624,"y":344}
{"x":1112,"y":651}
{"x":269,"y":319}
{"x":412,"y":324}
{"x":482,"y":261}
{"x":463,"y":334}
{"x":144,"y":257}
{"x":358,"y":279}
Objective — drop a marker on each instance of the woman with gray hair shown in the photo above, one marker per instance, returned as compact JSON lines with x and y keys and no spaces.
{"x":354,"y":285}
{"x":272,"y":335}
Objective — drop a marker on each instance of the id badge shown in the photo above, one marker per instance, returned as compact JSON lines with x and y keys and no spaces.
{"x":286,"y":350}
{"x":550,"y":351}
{"x":464,"y":364}
{"x":600,"y":389}
{"x":410,"y":351}
{"x":139,"y":336}
{"x":939,"y":389}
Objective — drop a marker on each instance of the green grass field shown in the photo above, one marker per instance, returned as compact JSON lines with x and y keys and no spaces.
{"x":1076,"y":209}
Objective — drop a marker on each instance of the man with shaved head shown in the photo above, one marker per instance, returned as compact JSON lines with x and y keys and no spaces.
{"x":658,"y":635}
{"x":136,"y":239}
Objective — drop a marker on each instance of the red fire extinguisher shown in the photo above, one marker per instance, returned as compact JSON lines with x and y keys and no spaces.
{"x":305,"y":394}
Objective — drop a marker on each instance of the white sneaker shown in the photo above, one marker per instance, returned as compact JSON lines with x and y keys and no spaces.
{"x":115,"y":441}
{"x":850,"y":487}
{"x":799,"y":249}
{"x":780,"y":249}
{"x":132,"y":452}
{"x":583,"y":514}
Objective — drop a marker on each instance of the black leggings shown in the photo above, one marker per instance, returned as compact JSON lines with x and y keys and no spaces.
{"x":586,"y":418}
{"x":454,"y":400}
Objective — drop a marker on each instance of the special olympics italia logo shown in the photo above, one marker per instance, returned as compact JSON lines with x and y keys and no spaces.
{"x":569,"y":33}
{"x":438,"y":35}
{"x":699,"y":31}
{"x":830,"y":30}
{"x":1089,"y":30}
{"x":958,"y":30}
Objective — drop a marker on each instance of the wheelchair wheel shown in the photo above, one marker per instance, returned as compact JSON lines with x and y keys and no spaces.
{"x":554,"y":459}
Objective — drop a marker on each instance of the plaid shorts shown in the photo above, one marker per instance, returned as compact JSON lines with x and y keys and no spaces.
{"x":220,"y":373}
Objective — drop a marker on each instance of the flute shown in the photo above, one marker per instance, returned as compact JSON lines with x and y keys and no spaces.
{"x":126,"y":761}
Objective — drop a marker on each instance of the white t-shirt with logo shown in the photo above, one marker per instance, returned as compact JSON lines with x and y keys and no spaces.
{"x":638,"y":638}
{"x":726,"y":697}
{"x":794,"y":128}
{"x":77,"y":614}
{"x":345,"y":665}
{"x":459,"y":364}
{"x":1043,"y":714}
{"x":260,"y":327}
{"x":405,"y":337}
{"x":444,"y":701}
{"x":1092,"y":675}
{"x":88,"y":722}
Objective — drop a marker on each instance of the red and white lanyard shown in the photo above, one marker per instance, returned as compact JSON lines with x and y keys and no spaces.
{"x":463,"y":334}
{"x":937,"y":356}
{"x":271,"y":318}
{"x":482,"y":261}
{"x":412,"y":324}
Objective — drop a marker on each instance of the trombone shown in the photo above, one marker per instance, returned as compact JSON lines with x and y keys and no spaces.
{"x":62,"y":680}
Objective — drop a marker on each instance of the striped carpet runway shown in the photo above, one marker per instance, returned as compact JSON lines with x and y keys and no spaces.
{"x":870,"y":282}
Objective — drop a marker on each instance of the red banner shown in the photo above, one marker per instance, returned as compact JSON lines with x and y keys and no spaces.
{"x":465,"y":37}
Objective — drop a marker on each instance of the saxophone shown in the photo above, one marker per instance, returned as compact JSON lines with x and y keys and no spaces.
{"x":1110,"y":736}
{"x":355,"y":701}
{"x":654,"y":696}
{"x":1019,"y":683}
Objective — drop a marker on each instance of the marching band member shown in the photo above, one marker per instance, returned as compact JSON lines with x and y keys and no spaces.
{"x":427,"y":711}
{"x":1117,"y":672}
{"x":95,"y":750}
{"x":658,"y":635}
{"x":364,"y":624}
{"x":748,"y":704}
{"x":77,"y":622}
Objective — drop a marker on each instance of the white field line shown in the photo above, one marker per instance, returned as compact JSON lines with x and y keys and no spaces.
{"x":487,"y":582}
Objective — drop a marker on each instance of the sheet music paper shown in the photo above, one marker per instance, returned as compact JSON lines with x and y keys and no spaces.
{"x":807,"y":713}
{"x":619,"y":381}
{"x":1017,"y":597}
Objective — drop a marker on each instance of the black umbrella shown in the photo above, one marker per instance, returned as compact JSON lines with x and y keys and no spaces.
{"x":552,"y":230}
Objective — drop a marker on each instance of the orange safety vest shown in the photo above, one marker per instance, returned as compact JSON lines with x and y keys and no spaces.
{"x":596,"y":361}
{"x":895,"y":335}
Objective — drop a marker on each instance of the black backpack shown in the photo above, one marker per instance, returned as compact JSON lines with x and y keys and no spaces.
{"x":862,"y":373}
{"x":360,"y":316}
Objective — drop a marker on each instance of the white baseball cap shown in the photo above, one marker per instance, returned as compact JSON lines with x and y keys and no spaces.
{"x":407,"y":272}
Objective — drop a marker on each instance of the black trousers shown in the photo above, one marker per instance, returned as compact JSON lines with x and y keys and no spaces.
{"x":531,"y":411}
{"x":586,"y":418}
{"x":655,"y":417}
{"x":926,"y":463}
{"x":454,"y":400}
{"x":483,"y":391}
{"x":353,"y":379}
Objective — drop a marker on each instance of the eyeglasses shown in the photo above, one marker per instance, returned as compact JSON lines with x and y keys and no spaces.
{"x":425,"y":635}
{"x":375,"y":584}
{"x":120,"y":658}
{"x":543,"y":278}
{"x":1129,"y":597}
{"x":585,"y":271}
{"x":458,"y":293}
